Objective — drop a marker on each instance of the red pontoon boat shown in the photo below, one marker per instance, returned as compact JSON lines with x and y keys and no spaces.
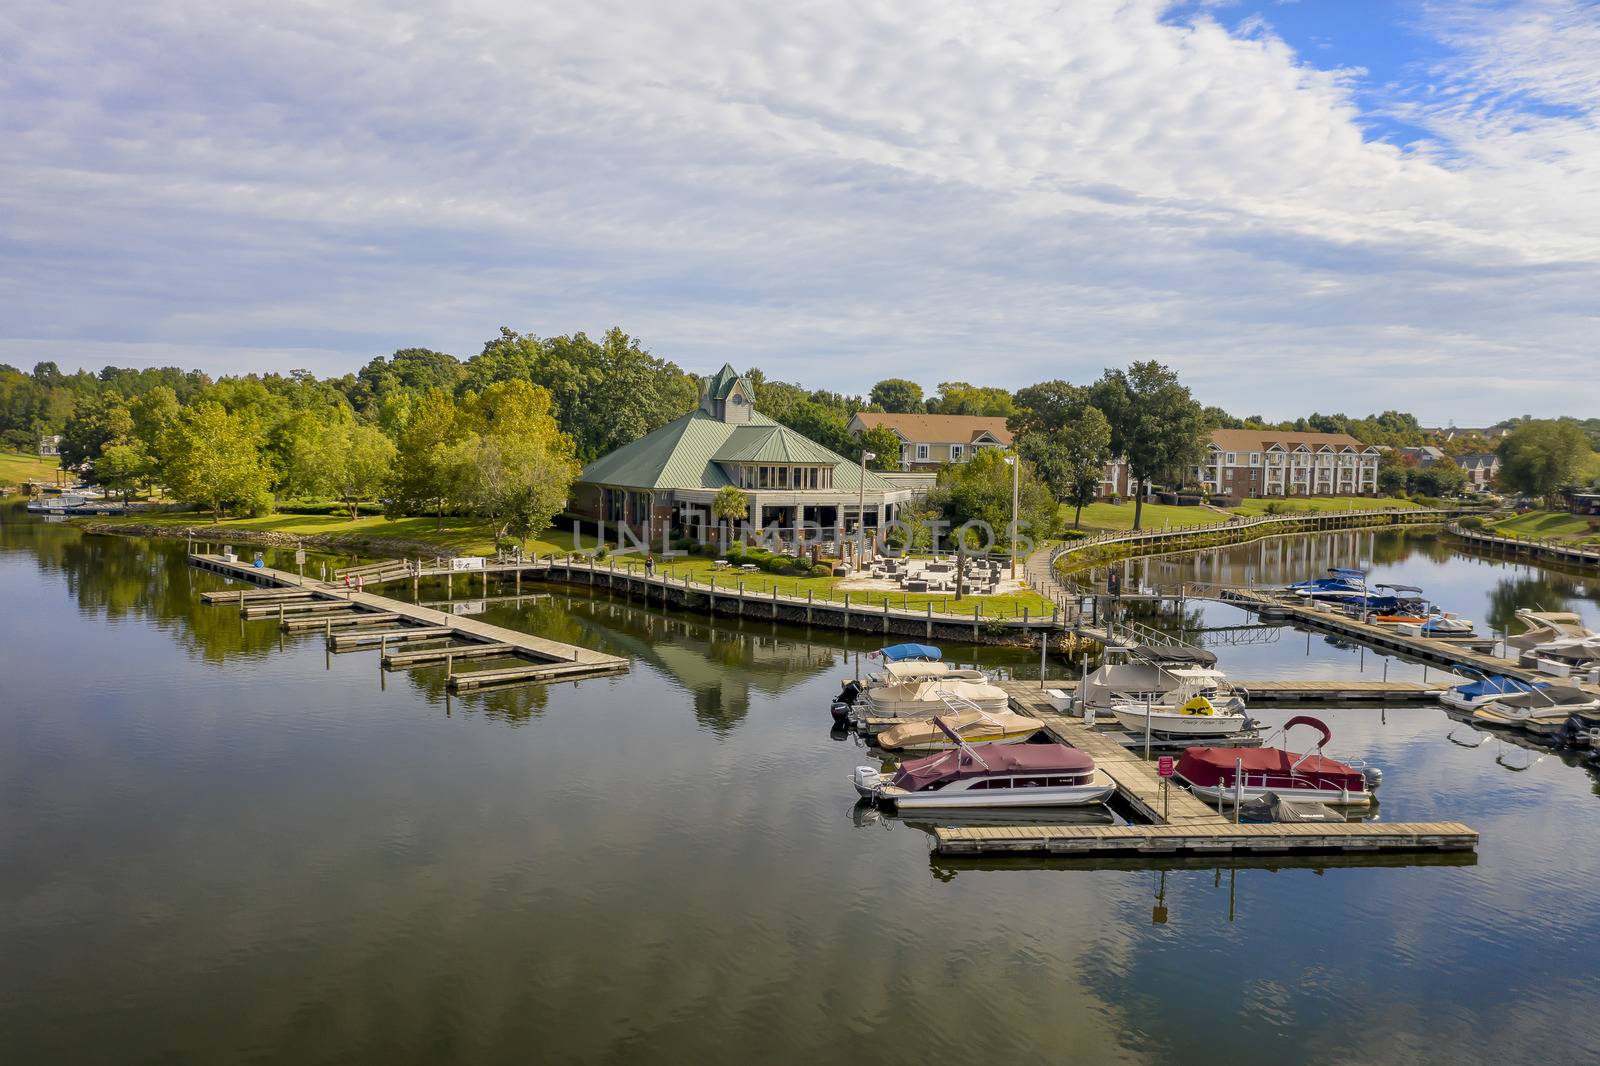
{"x":1210,"y":772}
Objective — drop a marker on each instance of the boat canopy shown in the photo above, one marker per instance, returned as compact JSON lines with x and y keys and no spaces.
{"x":1346,"y":572}
{"x":1173,"y":656}
{"x":917,"y":775}
{"x":1487,"y":686}
{"x":1213,"y":767}
{"x":900,"y":652}
{"x":1399,"y":588}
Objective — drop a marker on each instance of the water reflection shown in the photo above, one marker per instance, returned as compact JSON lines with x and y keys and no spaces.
{"x":221,"y":845}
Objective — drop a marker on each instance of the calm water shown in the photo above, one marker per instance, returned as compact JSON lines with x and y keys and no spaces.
{"x":219,"y":845}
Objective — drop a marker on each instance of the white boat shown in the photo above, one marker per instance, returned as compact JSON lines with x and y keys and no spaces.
{"x":988,"y":776}
{"x":1189,"y":710}
{"x":1152,"y":675}
{"x":1542,"y":710}
{"x":1486,"y":690}
{"x":1575,"y":657}
{"x":971,"y":725}
{"x":1545,"y":627}
{"x":927,"y":697}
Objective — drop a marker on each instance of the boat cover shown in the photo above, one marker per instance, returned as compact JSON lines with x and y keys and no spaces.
{"x":1174,"y":655}
{"x":916,"y":775}
{"x":898,"y":652}
{"x":1551,"y":696}
{"x":1210,"y":767}
{"x":1490,"y":685}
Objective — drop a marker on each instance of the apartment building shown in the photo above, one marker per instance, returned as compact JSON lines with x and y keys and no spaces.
{"x":1242,"y":463}
{"x":927,"y":442}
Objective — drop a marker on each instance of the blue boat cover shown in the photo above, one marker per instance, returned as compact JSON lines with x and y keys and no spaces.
{"x":1495,"y":683}
{"x":900,"y":652}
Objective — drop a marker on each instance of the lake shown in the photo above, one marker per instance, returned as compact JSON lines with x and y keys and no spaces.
{"x":222,"y":844}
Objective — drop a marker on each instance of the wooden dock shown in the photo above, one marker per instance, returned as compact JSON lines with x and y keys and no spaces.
{"x":307,"y":604}
{"x":1223,"y":839}
{"x":1313,"y":691}
{"x":1178,"y":822}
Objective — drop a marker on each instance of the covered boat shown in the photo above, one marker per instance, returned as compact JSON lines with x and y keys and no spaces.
{"x":1188,"y":710}
{"x":973,"y":726}
{"x":902,"y":665}
{"x":989,"y":775}
{"x":1543,"y":627}
{"x":1213,"y":774}
{"x":1486,"y":689}
{"x":925,"y":697}
{"x":1542,"y":710}
{"x":1154,"y":674}
{"x":1573,"y":657}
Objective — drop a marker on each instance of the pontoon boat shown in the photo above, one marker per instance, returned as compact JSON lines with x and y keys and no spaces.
{"x":990,"y":775}
{"x":1213,"y":773}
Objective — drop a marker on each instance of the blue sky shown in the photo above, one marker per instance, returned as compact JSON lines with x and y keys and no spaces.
{"x":1325,"y":204}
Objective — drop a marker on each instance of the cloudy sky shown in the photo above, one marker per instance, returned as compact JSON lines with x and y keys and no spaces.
{"x":1329,"y":204}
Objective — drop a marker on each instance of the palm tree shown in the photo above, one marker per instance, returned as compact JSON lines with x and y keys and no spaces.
{"x":729,"y":505}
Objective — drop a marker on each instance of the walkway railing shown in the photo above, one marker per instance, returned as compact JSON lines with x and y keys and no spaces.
{"x":1547,"y":545}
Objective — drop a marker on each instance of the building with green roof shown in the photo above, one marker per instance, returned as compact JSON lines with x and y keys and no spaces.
{"x":664,"y":482}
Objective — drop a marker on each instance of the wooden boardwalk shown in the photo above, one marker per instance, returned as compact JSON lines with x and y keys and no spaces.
{"x":1223,"y":839}
{"x":1312,"y":691}
{"x":396,"y":622}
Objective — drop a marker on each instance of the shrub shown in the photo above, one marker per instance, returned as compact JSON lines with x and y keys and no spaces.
{"x":1471,"y":522}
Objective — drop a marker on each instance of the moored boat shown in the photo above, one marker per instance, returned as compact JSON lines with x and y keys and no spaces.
{"x":972,"y":725}
{"x":1153,"y":674}
{"x":926,"y":697}
{"x":1542,"y":710}
{"x":1486,"y":689}
{"x":1189,"y":710}
{"x":987,"y":776}
{"x":1544,"y":627}
{"x":1226,"y":774}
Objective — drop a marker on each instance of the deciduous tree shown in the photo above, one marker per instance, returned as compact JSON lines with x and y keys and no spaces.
{"x":212,"y":457}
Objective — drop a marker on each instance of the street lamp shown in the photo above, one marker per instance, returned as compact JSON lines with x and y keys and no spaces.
{"x":1016,"y":474}
{"x":861,"y":511}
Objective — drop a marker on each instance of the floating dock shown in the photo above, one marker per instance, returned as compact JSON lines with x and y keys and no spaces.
{"x":308,"y":604}
{"x":1179,"y":824}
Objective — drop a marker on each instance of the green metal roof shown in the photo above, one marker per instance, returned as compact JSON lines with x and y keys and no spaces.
{"x":686,"y":454}
{"x":723,"y":381}
{"x":772,"y":444}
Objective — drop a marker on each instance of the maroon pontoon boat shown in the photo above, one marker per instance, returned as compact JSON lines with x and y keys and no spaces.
{"x":1211,"y":773}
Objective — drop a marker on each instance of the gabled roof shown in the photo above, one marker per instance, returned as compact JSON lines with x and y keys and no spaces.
{"x":938,"y":429}
{"x":1258,"y":440}
{"x":688,"y":453}
{"x":772,"y":444}
{"x":722,"y":382}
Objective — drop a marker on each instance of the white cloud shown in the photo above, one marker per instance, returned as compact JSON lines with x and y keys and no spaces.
{"x":835,"y":191}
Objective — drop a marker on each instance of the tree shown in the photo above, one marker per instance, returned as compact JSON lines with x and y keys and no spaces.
{"x":1393,"y":473}
{"x":95,"y":422}
{"x":1540,"y":456}
{"x":980,"y":491}
{"x":883,"y":443}
{"x":517,"y":464}
{"x":1156,"y":425}
{"x":897,"y":395}
{"x":122,"y":468}
{"x":1442,"y":478}
{"x":355,"y":461}
{"x":961,"y":398}
{"x":212,"y":457}
{"x":1066,"y":439}
{"x":423,"y":479}
{"x":729,"y":505}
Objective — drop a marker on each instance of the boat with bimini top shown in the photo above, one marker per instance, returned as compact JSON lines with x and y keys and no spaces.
{"x":1227,"y":775}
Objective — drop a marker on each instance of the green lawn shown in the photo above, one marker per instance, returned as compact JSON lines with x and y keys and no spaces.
{"x":458,"y":535}
{"x":1318,"y":504}
{"x":1542,"y":524}
{"x":17,"y":467}
{"x":701,"y":570}
{"x":1103,"y":515}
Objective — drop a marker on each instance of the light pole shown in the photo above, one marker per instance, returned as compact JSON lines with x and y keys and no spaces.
{"x":1016,"y":474}
{"x":861,"y":511}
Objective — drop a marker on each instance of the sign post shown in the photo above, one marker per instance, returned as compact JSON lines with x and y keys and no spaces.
{"x":1164,"y":768}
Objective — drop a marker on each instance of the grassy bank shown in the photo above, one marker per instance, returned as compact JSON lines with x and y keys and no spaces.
{"x":1321,"y":505}
{"x":1548,"y":525}
{"x":1102,"y":515}
{"x":17,"y":467}
{"x":400,"y":536}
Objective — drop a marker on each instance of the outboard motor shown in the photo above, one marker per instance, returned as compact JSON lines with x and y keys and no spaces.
{"x":849,"y":692}
{"x":866,"y":780}
{"x":1573,"y":732}
{"x":840,"y":711}
{"x":1372,"y":776}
